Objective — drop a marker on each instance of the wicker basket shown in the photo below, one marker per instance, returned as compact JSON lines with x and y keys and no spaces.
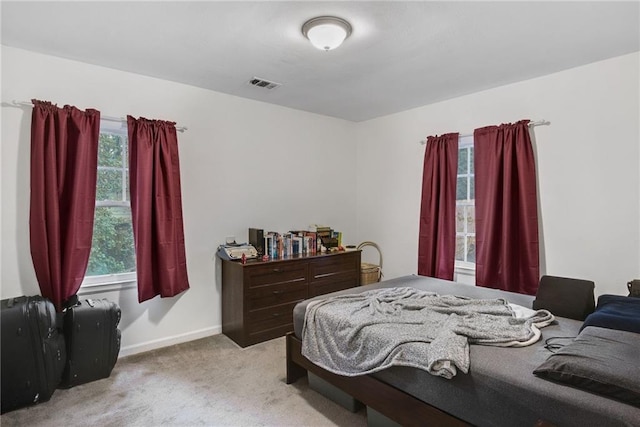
{"x":370,"y":273}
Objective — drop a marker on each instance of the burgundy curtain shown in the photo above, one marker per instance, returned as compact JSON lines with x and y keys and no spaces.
{"x":64,"y":157}
{"x":437,"y":236}
{"x":507,"y":255}
{"x":156,"y":208}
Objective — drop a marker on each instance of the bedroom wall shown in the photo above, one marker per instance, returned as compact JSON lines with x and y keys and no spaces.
{"x":244,"y":164}
{"x":587,"y":164}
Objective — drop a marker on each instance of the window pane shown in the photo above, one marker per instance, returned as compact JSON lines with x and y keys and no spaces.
{"x":462,"y":161}
{"x":459,"y":219}
{"x":460,"y":248}
{"x":465,"y":203}
{"x":110,"y":148}
{"x":471,"y":219}
{"x":471,"y":249}
{"x":112,"y":246}
{"x":127,"y":194}
{"x":109,"y":185}
{"x":461,"y":190}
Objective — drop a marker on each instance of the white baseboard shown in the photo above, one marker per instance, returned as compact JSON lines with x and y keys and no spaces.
{"x":167,"y":341}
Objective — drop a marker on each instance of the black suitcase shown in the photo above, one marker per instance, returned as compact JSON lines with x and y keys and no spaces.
{"x":33,"y":351}
{"x":93,"y":341}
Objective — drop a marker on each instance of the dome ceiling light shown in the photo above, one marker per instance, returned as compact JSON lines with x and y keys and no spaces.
{"x":326,"y":32}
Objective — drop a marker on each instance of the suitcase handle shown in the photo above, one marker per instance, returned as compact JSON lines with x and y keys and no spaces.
{"x":72,"y":301}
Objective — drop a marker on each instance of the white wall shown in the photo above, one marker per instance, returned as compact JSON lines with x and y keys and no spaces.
{"x":244,"y":164}
{"x":251,"y":164}
{"x":587,"y":161}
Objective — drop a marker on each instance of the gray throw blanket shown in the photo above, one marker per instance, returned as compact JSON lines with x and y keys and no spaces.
{"x":358,"y":334}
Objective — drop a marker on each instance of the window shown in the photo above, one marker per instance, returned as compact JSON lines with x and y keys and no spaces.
{"x":112,"y":256}
{"x":465,"y":206}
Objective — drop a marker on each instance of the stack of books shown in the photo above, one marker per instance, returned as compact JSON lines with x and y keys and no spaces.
{"x":327,"y":236}
{"x":284,"y":245}
{"x":297,"y":242}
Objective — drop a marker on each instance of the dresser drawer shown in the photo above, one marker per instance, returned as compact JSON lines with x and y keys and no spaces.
{"x":334,"y":274}
{"x":337,"y":268}
{"x":258,"y":297}
{"x":270,"y":317}
{"x":325,"y":287}
{"x":324,"y":268}
{"x":270,"y":295}
{"x":276,"y":273}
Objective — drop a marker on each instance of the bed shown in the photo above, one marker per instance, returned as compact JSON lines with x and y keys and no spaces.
{"x":499,"y":390}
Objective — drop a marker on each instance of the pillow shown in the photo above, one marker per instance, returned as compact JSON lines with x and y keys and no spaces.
{"x":599,"y":360}
{"x":616,"y":312}
{"x":565,"y":297}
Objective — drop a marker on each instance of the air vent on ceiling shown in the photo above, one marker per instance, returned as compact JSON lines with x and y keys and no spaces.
{"x":258,"y":82}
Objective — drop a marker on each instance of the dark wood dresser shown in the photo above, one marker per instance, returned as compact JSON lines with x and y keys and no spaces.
{"x":258,"y":297}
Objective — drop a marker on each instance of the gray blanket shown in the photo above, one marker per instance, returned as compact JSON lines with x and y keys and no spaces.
{"x":358,"y":334}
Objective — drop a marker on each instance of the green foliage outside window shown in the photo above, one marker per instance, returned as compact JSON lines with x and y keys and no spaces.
{"x":112,"y":247}
{"x":465,"y":207}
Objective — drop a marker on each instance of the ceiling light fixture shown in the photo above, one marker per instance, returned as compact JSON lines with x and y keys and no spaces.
{"x":326,"y":32}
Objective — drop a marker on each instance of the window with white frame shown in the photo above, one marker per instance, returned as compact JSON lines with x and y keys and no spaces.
{"x":112,"y":258}
{"x":465,"y":206}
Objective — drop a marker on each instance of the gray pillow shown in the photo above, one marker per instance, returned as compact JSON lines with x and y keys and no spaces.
{"x":565,"y":297}
{"x":599,"y":360}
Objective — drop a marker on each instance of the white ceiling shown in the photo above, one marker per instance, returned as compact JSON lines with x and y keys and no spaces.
{"x":401,"y":54}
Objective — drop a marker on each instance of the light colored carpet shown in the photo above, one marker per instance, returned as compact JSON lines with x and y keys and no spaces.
{"x":210,"y":382}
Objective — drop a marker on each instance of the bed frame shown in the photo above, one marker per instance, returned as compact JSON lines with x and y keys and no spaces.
{"x":391,"y":402}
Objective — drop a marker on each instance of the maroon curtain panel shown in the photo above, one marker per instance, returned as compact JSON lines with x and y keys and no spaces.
{"x":64,"y":164}
{"x":507,"y":254}
{"x":156,"y":208}
{"x":437,"y":235}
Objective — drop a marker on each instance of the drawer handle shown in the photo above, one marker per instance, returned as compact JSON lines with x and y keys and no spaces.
{"x":277,"y":292}
{"x":275,"y":314}
{"x":321,"y":276}
{"x":277,"y":270}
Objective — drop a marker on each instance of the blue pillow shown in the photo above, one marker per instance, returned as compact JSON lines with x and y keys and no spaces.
{"x":616,"y":312}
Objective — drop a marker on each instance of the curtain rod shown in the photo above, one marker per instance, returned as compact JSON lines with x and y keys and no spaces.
{"x":107,"y":118}
{"x":533,"y":123}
